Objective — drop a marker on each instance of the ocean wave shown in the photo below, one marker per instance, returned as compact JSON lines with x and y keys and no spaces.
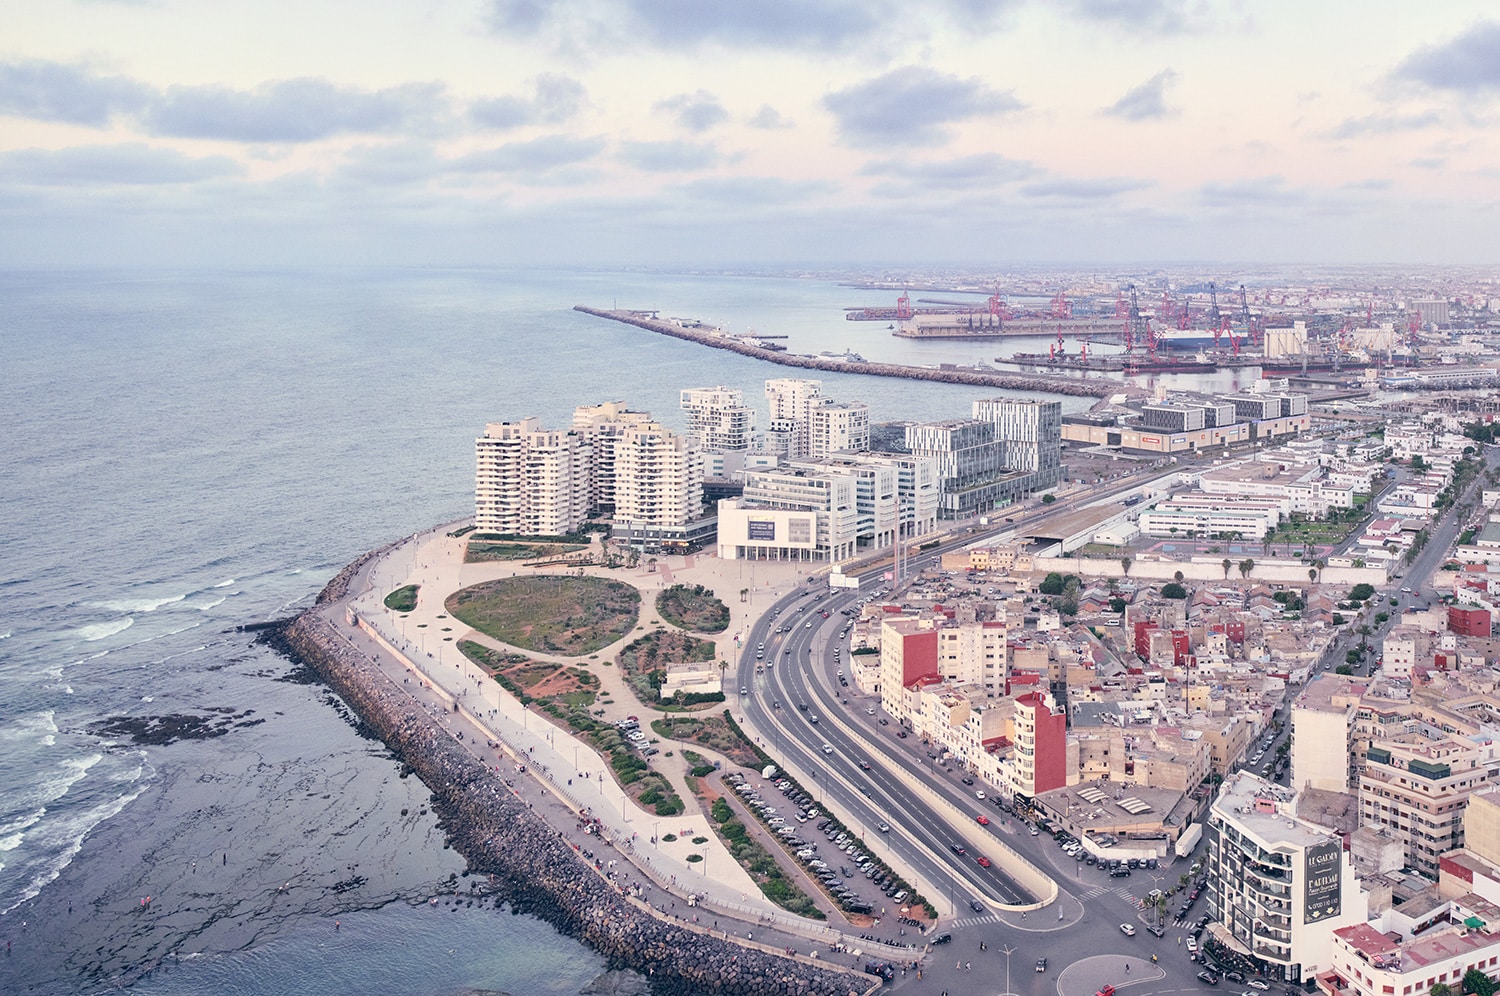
{"x":65,"y":840}
{"x":208,"y":605}
{"x":99,"y":631}
{"x":12,"y":833}
{"x":139,"y":604}
{"x":30,"y":727}
{"x":225,"y":584}
{"x":5,"y":635}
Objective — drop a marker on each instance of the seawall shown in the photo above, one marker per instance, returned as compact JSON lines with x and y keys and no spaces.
{"x":1097,"y":387}
{"x":535,"y":869}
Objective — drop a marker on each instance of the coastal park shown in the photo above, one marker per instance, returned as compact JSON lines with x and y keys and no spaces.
{"x":559,"y":654}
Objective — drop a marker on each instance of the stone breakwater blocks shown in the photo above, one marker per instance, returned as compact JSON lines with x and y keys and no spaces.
{"x":536,"y":869}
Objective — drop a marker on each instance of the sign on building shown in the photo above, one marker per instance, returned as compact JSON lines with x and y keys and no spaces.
{"x":761,"y":529}
{"x":1322,"y":881}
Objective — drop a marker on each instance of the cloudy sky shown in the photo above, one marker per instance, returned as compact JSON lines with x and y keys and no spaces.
{"x":756,"y":131}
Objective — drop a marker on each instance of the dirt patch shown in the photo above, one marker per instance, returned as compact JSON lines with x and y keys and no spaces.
{"x":567,"y":616}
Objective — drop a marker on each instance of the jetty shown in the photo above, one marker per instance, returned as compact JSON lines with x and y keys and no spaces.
{"x":1096,"y":387}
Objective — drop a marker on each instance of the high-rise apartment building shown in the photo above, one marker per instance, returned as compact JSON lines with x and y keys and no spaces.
{"x":1030,"y":437}
{"x":969,"y":464}
{"x":837,"y":427}
{"x":718,"y":418}
{"x":791,"y":400}
{"x":603,"y":424}
{"x":1278,"y":885}
{"x":658,"y":487}
{"x":531,"y":481}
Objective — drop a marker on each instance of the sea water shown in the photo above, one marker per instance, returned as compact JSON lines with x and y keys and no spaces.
{"x":186,"y":452}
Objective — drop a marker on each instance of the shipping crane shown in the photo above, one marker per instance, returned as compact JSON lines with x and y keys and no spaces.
{"x":1061,"y":307}
{"x":903,"y":307}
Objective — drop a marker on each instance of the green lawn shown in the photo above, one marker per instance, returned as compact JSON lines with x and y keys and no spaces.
{"x":568,"y":616}
{"x":693,"y":607}
{"x":403,"y":599}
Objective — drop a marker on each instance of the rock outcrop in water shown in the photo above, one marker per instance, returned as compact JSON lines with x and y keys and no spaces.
{"x":534,"y":867}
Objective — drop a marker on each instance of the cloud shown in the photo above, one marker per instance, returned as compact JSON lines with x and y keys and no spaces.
{"x":1384,"y":124}
{"x":1101,"y":188}
{"x":665,"y":157}
{"x":131,"y":163}
{"x":1155,"y":17}
{"x":538,"y":155}
{"x":1432,"y":162}
{"x":1267,"y":191}
{"x":297,"y":110}
{"x":909,"y":106}
{"x":817,"y":24}
{"x":554,"y":100}
{"x":696,"y":112}
{"x":768,"y":117}
{"x":51,"y":91}
{"x":1468,"y":63}
{"x":952,"y":174}
{"x":1146,"y":102}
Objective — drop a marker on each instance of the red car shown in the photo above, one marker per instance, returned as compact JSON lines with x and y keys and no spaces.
{"x":984,"y":862}
{"x":984,"y":821}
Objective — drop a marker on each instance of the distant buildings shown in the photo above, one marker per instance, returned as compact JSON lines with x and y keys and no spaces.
{"x":1187,"y":423}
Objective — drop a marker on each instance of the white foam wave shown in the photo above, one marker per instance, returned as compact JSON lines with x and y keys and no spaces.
{"x":225,"y":584}
{"x":148,"y":698}
{"x":208,"y":605}
{"x":30,"y":727}
{"x":5,"y":635}
{"x":67,"y":689}
{"x":99,"y":631}
{"x":70,"y":834}
{"x":139,"y":604}
{"x":16,"y":829}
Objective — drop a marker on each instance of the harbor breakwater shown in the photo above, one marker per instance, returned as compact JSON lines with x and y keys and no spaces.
{"x":532,"y":866}
{"x":1097,"y":387}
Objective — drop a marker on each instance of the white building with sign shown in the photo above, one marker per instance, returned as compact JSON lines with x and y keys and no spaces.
{"x":1277,"y":887}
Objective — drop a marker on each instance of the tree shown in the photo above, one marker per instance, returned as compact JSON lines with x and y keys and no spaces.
{"x":1173,"y":590}
{"x":1177,"y":577}
{"x":1052,"y":584}
{"x":1117,"y":605}
{"x":1312,"y":574}
{"x":1475,"y":981}
{"x":1048,"y":499}
{"x":1246,"y":566}
{"x":1440,"y":989}
{"x":1227,"y":564}
{"x":1343,"y":669}
{"x":1125,"y":565}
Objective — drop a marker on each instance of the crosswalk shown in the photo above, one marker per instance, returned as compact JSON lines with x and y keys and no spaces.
{"x":1123,"y":892}
{"x":974,"y":921}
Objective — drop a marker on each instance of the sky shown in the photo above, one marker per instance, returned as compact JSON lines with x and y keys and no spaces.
{"x":719,"y":133}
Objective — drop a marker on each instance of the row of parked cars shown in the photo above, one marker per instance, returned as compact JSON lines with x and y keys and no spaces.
{"x":630,"y":729}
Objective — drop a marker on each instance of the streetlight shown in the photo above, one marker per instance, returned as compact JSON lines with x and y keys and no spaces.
{"x":1007,"y":951}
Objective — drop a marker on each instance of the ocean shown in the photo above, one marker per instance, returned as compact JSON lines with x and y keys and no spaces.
{"x":188,"y":452}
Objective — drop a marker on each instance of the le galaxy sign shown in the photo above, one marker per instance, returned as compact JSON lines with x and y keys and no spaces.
{"x":1322,"y":881}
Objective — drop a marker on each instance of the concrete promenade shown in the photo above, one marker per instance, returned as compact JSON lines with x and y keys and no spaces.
{"x":572,"y":777}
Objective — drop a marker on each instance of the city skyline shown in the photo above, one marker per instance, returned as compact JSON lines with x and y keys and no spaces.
{"x":670,"y":133}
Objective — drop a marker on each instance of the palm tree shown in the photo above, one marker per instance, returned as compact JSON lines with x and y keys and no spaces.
{"x":1246,"y":566}
{"x":1227,"y":564}
{"x":1125,"y":565}
{"x":1265,"y":541}
{"x":1312,"y":575}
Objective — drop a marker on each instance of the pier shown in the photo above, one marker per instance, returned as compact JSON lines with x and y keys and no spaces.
{"x":1096,"y":387}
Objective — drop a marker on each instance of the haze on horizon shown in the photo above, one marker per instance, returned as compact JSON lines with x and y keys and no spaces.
{"x":661,"y":132}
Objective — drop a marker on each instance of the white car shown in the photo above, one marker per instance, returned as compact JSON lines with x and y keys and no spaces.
{"x":1127,"y":930}
{"x":828,"y":748}
{"x":1257,"y":984}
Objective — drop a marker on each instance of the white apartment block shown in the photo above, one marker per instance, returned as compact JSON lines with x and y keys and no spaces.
{"x":1278,"y":885}
{"x":658,"y":478}
{"x":974,"y":654}
{"x":602,"y":425}
{"x":790,"y":400}
{"x":531,"y":481}
{"x":1323,"y":735}
{"x":718,"y":418}
{"x":837,"y":426}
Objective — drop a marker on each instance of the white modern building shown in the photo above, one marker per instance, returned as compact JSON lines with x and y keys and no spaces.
{"x":1278,"y":887}
{"x":837,"y":427}
{"x":531,"y":481}
{"x":718,"y":418}
{"x":658,"y":489}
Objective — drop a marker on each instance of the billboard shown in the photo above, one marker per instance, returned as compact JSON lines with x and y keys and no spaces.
{"x":1322,"y":881}
{"x":761,"y":529}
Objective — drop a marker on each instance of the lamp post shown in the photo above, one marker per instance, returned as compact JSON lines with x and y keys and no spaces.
{"x":1007,"y":951}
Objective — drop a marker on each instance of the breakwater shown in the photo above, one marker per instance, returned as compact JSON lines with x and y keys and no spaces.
{"x":1097,"y":387}
{"x":532,"y":865}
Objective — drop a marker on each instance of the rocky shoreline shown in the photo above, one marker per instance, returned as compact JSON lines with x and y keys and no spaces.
{"x":533,"y":867}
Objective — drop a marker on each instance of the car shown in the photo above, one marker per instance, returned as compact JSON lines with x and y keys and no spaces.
{"x":1208,"y":978}
{"x":979,"y":796}
{"x":828,"y":748}
{"x":1257,"y":984}
{"x":1235,"y":977}
{"x":814,"y":720}
{"x":976,"y":906}
{"x":1405,"y":590}
{"x":744,"y":690}
{"x":1041,"y":964}
{"x":902,"y":734}
{"x":967,"y":780}
{"x":959,"y":849}
{"x":1192,"y":946}
{"x":1127,"y":930}
{"x":942,"y":939}
{"x":884,"y":828}
{"x":984,"y":862}
{"x":983,"y":821}
{"x":1119,"y":873}
{"x":1154,"y":929}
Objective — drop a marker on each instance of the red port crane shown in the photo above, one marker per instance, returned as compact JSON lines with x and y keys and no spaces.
{"x":903,"y":307}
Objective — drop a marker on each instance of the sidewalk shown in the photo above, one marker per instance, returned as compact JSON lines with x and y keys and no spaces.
{"x":441,"y":678}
